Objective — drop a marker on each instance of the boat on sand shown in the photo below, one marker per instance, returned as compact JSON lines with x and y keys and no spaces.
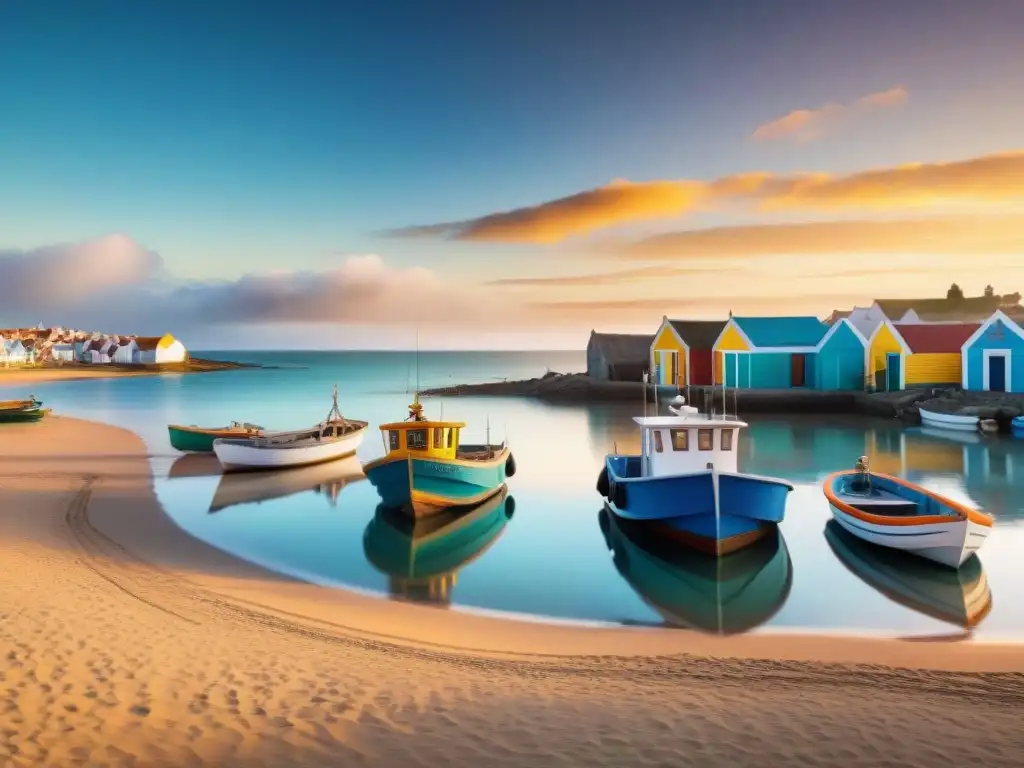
{"x":22,"y":415}
{"x":896,"y":513}
{"x":20,"y":405}
{"x":195,"y":439}
{"x":333,"y":438}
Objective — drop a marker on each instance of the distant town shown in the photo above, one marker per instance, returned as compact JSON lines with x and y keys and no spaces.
{"x":39,"y":345}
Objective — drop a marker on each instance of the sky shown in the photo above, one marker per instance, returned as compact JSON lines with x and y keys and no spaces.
{"x":504,"y":174}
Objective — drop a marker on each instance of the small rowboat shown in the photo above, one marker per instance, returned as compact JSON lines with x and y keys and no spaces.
{"x":23,"y":415}
{"x":195,"y":439}
{"x":896,"y":513}
{"x":333,"y":438}
{"x":951,"y":421}
{"x":20,"y":405}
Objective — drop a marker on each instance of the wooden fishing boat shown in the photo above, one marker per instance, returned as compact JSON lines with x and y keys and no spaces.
{"x":422,"y":557}
{"x":686,"y":479}
{"x":951,"y":421}
{"x":23,"y":415}
{"x":961,"y":597}
{"x":427,"y":470}
{"x":896,"y":513}
{"x":193,"y":439}
{"x":255,"y":487}
{"x":694,"y":590}
{"x":333,"y":438}
{"x":20,"y":405}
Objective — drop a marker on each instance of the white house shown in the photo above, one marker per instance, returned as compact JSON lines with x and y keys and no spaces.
{"x":165,"y":349}
{"x":127,"y":352}
{"x":15,"y":351}
{"x":63,"y":352}
{"x":98,"y":351}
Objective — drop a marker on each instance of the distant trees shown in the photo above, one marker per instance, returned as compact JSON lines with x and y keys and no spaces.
{"x":955,"y":293}
{"x":989,"y":292}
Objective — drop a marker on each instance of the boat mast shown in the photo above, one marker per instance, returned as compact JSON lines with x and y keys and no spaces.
{"x":490,"y":452}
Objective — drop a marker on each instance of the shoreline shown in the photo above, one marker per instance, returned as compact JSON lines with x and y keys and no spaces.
{"x":47,"y":373}
{"x":183,"y":653}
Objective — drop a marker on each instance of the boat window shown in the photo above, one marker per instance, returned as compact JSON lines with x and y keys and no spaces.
{"x":438,"y":437}
{"x":657,"y":441}
{"x":680,"y":439}
{"x":393,"y":440}
{"x":451,"y":437}
{"x":705,"y":439}
{"x":727,"y":439}
{"x":416,"y":439}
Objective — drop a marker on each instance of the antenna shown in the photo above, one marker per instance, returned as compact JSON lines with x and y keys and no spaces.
{"x":417,"y":357}
{"x":645,"y":394}
{"x":490,"y":452}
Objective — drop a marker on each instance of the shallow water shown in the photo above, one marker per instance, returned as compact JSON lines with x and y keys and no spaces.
{"x":545,"y":549}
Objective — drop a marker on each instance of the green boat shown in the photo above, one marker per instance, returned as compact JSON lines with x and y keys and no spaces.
{"x":13,"y":417}
{"x":193,"y":439}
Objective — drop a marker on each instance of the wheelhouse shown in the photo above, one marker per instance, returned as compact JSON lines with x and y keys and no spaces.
{"x":683,"y":444}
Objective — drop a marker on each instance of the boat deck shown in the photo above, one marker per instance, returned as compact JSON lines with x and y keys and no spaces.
{"x":881,"y":501}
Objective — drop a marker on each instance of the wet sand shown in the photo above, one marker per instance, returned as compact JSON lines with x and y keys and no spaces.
{"x":125,"y":642}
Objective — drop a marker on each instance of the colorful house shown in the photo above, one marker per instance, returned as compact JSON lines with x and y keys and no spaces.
{"x":993,"y":357}
{"x":840,"y":358}
{"x":768,"y":352}
{"x":612,"y":356}
{"x":682,"y":352}
{"x":917,"y":355}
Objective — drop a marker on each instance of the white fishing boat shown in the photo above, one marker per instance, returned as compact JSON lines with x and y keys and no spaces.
{"x":896,"y":513}
{"x":333,"y":438}
{"x":951,"y":421}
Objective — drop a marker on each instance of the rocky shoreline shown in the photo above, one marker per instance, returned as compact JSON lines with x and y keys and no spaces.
{"x":905,"y":406}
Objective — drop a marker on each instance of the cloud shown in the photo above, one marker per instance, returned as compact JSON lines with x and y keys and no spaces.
{"x":605,"y":278}
{"x":988,"y":179}
{"x":808,"y":124}
{"x":1003,"y":235}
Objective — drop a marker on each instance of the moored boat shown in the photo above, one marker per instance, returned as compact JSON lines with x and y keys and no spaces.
{"x":23,"y":415}
{"x":328,"y":478}
{"x":961,"y":597}
{"x":892,"y":512}
{"x":333,"y":438}
{"x":193,"y":439}
{"x":694,"y":590}
{"x":422,"y":557}
{"x":427,"y":469}
{"x":951,"y":421}
{"x":686,"y":479}
{"x":31,"y":403}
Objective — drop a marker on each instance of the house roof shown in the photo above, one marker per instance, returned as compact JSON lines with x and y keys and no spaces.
{"x":936,"y":338}
{"x":837,"y":315}
{"x":615,"y":347}
{"x":698,"y":334}
{"x":782,"y":331}
{"x":968,"y":308}
{"x":149,"y":343}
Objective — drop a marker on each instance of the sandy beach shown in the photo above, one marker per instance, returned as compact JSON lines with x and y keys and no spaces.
{"x":123,"y":641}
{"x":20,"y":376}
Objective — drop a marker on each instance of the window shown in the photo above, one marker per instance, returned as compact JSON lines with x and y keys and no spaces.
{"x":657,"y":441}
{"x":727,"y":439}
{"x":680,"y":439}
{"x":438,"y":437}
{"x":705,"y":439}
{"x":393,"y":440}
{"x":451,"y":437}
{"x":416,"y":439}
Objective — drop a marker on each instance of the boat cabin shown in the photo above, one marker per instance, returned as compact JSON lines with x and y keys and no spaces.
{"x":418,"y":436}
{"x":687,"y":443}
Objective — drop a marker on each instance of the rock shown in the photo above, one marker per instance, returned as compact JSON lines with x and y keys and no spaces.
{"x":981,"y":411}
{"x":988,"y":426}
{"x":911,"y":416}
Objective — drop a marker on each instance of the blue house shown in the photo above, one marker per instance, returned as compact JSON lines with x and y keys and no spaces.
{"x":770,"y":352}
{"x":840,"y":362}
{"x":993,"y":357}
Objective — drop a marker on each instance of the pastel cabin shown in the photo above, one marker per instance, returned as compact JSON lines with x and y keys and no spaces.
{"x":682,"y":352}
{"x":917,"y":355}
{"x":840,"y":359}
{"x":993,"y":357}
{"x":768,"y":352}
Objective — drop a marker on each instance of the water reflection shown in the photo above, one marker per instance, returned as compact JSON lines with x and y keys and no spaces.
{"x":422,"y":557}
{"x":327,"y":478}
{"x":961,"y":597}
{"x":720,"y":595}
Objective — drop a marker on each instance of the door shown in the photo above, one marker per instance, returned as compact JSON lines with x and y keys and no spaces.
{"x":893,"y":363}
{"x":657,"y":366}
{"x":997,"y":373}
{"x":730,"y":362}
{"x":675,"y":370}
{"x":798,"y":371}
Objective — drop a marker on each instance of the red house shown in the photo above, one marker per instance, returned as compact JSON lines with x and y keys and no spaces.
{"x":681,"y":352}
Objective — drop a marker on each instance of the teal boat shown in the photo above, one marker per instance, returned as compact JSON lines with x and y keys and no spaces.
{"x":960,"y":597}
{"x":193,"y":439}
{"x":720,"y":595}
{"x":24,"y":415}
{"x":421,"y":558}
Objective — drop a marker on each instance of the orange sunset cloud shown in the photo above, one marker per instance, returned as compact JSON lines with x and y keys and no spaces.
{"x":809,"y":124}
{"x":988,"y":179}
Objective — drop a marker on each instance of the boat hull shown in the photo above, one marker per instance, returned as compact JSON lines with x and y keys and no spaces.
{"x":1017,"y":427}
{"x":199,"y":439}
{"x":949,"y":421}
{"x":17,"y":417}
{"x":239,"y":455}
{"x":715,"y":512}
{"x":428,"y":486}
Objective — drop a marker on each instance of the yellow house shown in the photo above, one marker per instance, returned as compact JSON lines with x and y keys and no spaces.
{"x":917,"y":354}
{"x":681,"y":352}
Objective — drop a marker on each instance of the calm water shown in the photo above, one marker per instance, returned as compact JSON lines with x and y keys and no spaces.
{"x":546,"y":550}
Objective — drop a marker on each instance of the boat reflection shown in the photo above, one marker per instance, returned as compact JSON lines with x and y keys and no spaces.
{"x":327,"y":478}
{"x":719,"y":595}
{"x":960,"y":597}
{"x":195,"y":465}
{"x":422,"y":557}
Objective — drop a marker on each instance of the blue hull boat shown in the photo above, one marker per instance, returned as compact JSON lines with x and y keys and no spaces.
{"x":686,"y":480}
{"x":1017,"y":426}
